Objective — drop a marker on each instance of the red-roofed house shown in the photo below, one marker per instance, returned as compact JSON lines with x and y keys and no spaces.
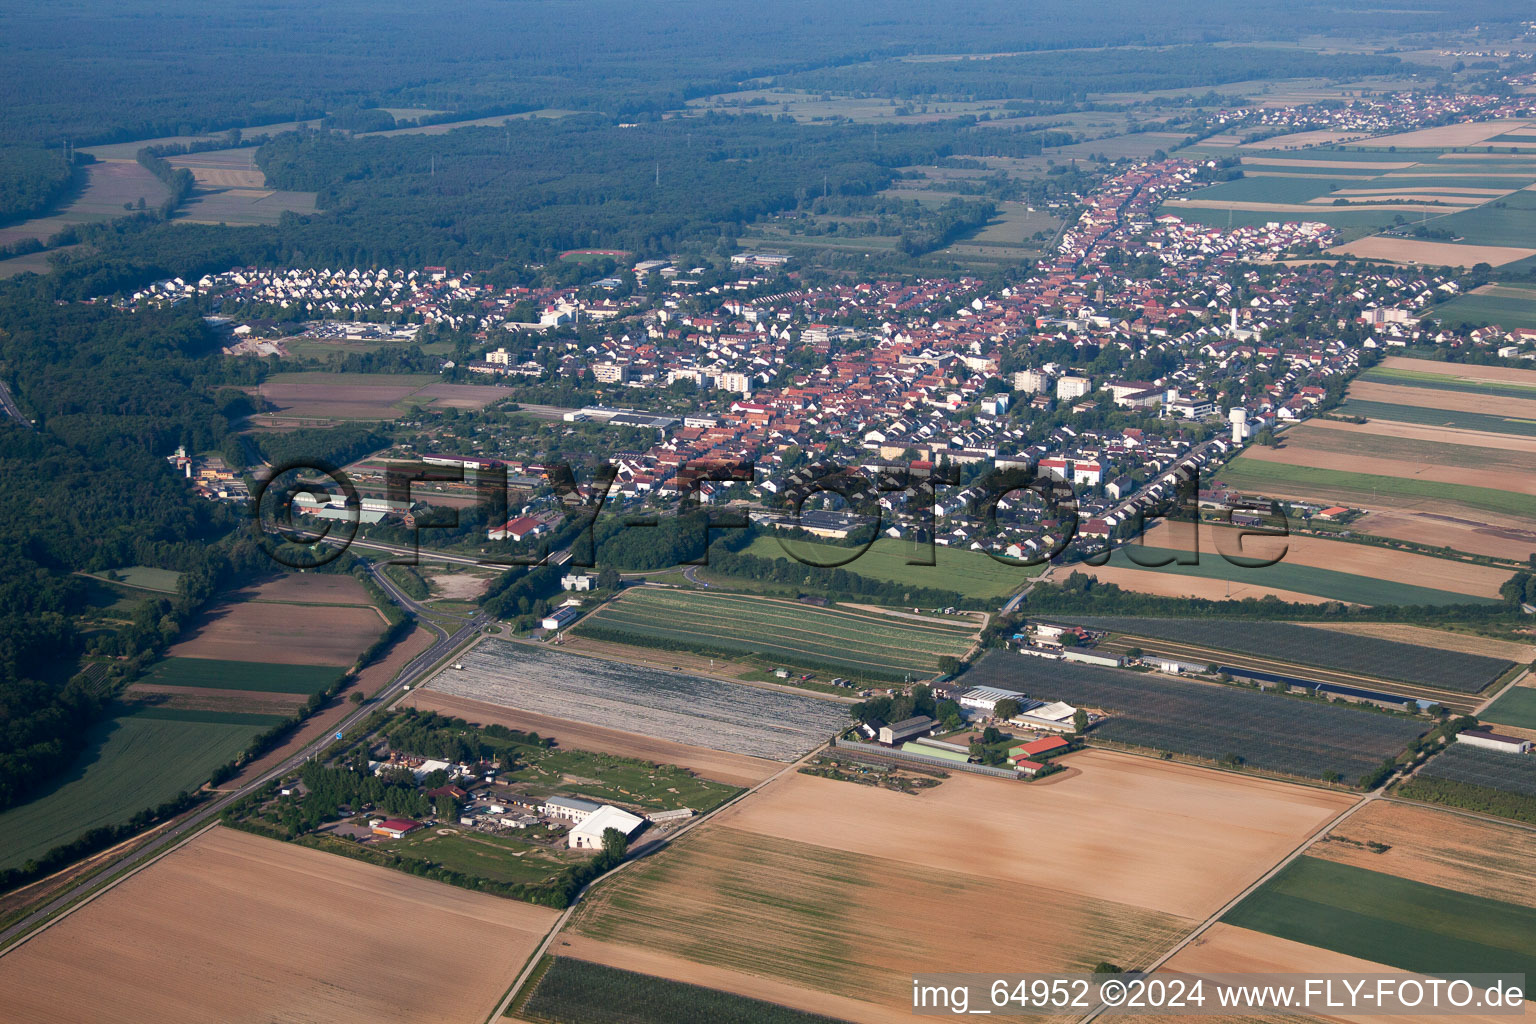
{"x":395,"y":828}
{"x":517,"y":529}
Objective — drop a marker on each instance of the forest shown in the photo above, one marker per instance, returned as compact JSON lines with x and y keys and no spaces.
{"x":97,"y":73}
{"x":31,"y":180}
{"x":1065,"y":76}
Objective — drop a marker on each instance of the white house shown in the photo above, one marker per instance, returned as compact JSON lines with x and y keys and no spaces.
{"x":588,"y":835}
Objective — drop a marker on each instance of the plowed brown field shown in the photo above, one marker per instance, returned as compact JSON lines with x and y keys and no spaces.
{"x":233,"y":927}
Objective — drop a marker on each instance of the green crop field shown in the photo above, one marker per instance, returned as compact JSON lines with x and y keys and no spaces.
{"x":837,"y":640}
{"x":1389,"y":920}
{"x":1303,"y":579}
{"x":1507,"y":310}
{"x":136,"y":760}
{"x":242,"y":675}
{"x":1510,"y":220}
{"x":1280,"y":479}
{"x":970,"y":573}
{"x":1449,"y":382}
{"x":1265,"y":189}
{"x":577,"y":992}
{"x":1517,"y":708}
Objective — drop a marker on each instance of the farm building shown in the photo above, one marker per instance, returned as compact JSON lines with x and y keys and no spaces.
{"x":1035,"y":748}
{"x":394,"y":828}
{"x":1171,"y":665}
{"x":588,"y":835}
{"x":1028,"y":767}
{"x":1488,"y":740}
{"x":1090,"y":657}
{"x":1058,"y":716}
{"x":570,"y":808}
{"x":896,"y":732}
{"x":561,"y":617}
{"x":985,"y":698}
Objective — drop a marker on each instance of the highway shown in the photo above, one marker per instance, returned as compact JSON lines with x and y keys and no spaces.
{"x":8,"y":406}
{"x":205,"y":813}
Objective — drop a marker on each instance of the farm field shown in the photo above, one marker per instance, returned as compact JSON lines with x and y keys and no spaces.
{"x":241,"y":675}
{"x":368,"y":682}
{"x":837,"y":640}
{"x":1284,"y":577}
{"x":262,"y":927}
{"x":231,"y":189}
{"x":673,"y":706}
{"x":1400,"y":922}
{"x":722,"y":766}
{"x":971,"y":573}
{"x":140,"y":758}
{"x":1445,"y":377}
{"x":108,"y":186}
{"x":1516,"y":708}
{"x":1506,"y":305}
{"x":793,"y":886}
{"x":1479,"y":857}
{"x":1276,"y":479}
{"x":1438,"y":254}
{"x":273,"y":633}
{"x":1268,"y":732}
{"x":1439,"y":640}
{"x":339,"y":396}
{"x":1424,"y":414}
{"x":1485,"y":781}
{"x":1301,"y":644}
{"x":1225,"y":948}
{"x":1342,"y":447}
{"x":579,"y":991}
{"x":1219,"y":543}
{"x":1461,"y":397}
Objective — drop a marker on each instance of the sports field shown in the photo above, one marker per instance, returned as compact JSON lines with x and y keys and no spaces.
{"x":971,"y":573}
{"x":836,"y":640}
{"x":1390,"y":920}
{"x":136,"y":760}
{"x":234,"y":927}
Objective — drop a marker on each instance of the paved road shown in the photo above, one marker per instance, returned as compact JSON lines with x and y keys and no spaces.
{"x":8,"y":406}
{"x":207,"y":812}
